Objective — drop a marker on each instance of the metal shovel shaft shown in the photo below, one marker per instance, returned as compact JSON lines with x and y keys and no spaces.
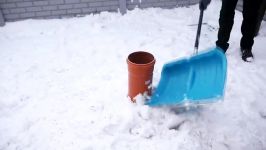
{"x":198,"y":33}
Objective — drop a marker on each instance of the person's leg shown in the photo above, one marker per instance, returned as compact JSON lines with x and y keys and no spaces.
{"x":262,"y":11}
{"x":248,"y":28}
{"x":226,"y":22}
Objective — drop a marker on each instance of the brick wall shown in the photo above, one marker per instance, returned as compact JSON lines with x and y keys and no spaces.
{"x":131,"y":4}
{"x":23,"y":9}
{"x":13,"y":10}
{"x":2,"y":21}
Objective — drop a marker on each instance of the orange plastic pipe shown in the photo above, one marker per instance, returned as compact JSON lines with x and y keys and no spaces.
{"x":140,"y":73}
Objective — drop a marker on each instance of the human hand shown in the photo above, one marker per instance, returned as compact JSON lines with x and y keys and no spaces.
{"x":203,"y":4}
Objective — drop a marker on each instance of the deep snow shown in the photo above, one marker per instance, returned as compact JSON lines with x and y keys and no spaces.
{"x":63,"y":84}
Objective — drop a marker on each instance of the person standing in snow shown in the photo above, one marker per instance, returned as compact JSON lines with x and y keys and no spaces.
{"x":226,"y":21}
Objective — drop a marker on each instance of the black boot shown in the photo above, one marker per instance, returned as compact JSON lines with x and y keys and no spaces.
{"x":247,"y":55}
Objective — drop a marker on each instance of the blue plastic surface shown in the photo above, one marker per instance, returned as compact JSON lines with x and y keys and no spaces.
{"x":198,"y":79}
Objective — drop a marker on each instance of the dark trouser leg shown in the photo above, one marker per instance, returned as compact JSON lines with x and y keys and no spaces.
{"x":226,"y":22}
{"x":248,"y":28}
{"x":260,"y":17}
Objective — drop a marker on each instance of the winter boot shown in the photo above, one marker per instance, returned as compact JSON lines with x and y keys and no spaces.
{"x":247,"y":55}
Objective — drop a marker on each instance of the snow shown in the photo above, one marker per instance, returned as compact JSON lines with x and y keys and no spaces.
{"x":63,"y":84}
{"x":250,"y":59}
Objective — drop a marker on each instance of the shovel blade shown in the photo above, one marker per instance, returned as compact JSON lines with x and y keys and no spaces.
{"x":199,"y":79}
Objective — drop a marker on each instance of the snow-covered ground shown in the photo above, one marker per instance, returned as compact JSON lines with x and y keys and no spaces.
{"x":63,"y":84}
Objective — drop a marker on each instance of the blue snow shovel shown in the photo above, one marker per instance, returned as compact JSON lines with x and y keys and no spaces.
{"x":199,"y":79}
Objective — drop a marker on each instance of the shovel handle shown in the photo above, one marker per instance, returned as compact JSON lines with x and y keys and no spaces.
{"x":198,"y":33}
